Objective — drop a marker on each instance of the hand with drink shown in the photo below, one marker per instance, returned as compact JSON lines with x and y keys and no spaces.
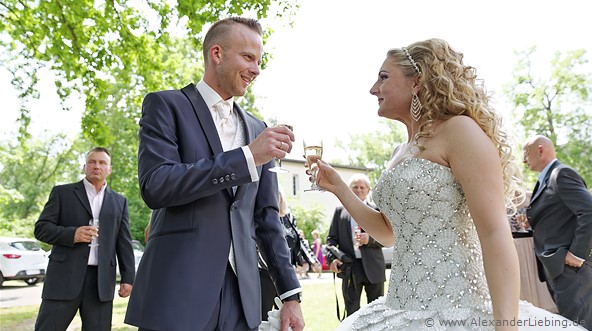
{"x":273,"y":142}
{"x":362,"y":237}
{"x":278,"y":167}
{"x":87,"y":233}
{"x":325,"y":177}
{"x":94,"y":223}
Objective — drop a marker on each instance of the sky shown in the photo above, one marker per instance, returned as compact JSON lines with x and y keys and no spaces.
{"x":323,"y":67}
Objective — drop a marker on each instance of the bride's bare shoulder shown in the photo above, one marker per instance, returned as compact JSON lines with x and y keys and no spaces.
{"x":459,"y":128}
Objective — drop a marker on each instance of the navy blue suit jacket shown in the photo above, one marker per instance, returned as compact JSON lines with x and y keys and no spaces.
{"x":185,"y":173}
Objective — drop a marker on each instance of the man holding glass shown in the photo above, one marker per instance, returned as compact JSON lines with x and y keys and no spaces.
{"x":204,"y":163}
{"x":81,"y":270}
{"x":367,"y":269}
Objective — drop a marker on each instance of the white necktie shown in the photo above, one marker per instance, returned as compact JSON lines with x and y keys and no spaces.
{"x":225,"y":123}
{"x":224,"y":111}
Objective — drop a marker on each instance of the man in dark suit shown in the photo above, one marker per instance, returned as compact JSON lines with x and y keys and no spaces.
{"x":204,"y":163}
{"x":368,"y":268}
{"x":560,"y":215}
{"x":82,"y":276}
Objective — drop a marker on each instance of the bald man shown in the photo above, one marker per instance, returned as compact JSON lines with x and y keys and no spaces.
{"x":560,"y":214}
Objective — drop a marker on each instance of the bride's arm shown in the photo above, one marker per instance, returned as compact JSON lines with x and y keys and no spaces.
{"x":475,"y":163}
{"x":371,"y":220}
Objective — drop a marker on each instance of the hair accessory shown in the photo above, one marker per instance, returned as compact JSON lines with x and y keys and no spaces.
{"x":411,"y":60}
{"x":415,"y":107}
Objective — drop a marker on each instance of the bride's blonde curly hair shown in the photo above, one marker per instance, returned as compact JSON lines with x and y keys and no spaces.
{"x":449,"y":88}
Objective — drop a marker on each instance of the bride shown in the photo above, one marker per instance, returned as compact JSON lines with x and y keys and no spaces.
{"x":443,"y":201}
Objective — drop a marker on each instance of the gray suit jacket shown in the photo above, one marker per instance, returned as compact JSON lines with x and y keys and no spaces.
{"x":67,"y":209}
{"x":561,"y":218}
{"x":184,"y":172}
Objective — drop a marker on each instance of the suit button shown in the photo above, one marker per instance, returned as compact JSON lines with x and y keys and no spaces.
{"x":227,"y":178}
{"x":214,"y":181}
{"x":232,"y":176}
{"x":221,"y":179}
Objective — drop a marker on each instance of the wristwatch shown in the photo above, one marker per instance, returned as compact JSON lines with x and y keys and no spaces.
{"x":293,"y":297}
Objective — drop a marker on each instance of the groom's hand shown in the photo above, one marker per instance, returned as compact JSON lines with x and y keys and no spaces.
{"x":291,"y":316}
{"x":270,"y":143}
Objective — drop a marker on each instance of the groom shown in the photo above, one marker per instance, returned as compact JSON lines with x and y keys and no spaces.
{"x":204,"y":163}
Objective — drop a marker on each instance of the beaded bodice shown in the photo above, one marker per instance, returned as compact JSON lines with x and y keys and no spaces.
{"x":437,"y":259}
{"x":437,"y":268}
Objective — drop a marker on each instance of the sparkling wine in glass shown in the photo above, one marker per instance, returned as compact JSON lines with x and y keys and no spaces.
{"x":95,"y":241}
{"x":313,"y":151}
{"x":278,"y":167}
{"x":357,"y":233}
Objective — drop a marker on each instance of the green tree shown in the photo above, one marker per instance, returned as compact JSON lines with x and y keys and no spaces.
{"x":111,"y":54}
{"x":309,"y":219}
{"x":557,"y":105}
{"x":92,"y":46}
{"x":27,"y":174}
{"x":374,"y":149}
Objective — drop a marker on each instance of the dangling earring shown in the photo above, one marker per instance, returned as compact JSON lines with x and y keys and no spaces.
{"x":415,"y":107}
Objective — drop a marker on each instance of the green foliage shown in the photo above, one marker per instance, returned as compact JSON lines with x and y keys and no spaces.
{"x":373,"y":149}
{"x":94,"y":47}
{"x":110,"y":54}
{"x":28,"y":171}
{"x":557,"y":105}
{"x":309,"y":219}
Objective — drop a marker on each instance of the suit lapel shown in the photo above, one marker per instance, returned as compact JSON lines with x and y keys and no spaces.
{"x":537,"y":192}
{"x":107,"y":203}
{"x":80,"y":193}
{"x":205,"y":118}
{"x":348,"y":227}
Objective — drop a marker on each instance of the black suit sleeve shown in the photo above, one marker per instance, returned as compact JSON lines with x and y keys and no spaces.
{"x":48,"y":228}
{"x":573,"y":193}
{"x":124,"y":248}
{"x":333,"y":236}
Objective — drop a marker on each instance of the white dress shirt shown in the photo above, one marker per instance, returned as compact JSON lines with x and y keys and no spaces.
{"x":96,"y":203}
{"x":228,"y":141}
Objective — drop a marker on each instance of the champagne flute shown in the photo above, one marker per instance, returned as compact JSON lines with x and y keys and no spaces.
{"x":278,"y":167}
{"x":357,"y":233}
{"x":95,"y":241}
{"x":313,"y":151}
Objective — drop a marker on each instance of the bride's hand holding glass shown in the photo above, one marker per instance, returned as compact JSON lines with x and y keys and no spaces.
{"x":327,"y":178}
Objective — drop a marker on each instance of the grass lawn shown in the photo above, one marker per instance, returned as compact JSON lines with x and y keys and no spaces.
{"x":318,"y":307}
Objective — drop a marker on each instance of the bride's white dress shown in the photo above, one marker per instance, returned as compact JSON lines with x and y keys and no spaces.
{"x":437,"y":277}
